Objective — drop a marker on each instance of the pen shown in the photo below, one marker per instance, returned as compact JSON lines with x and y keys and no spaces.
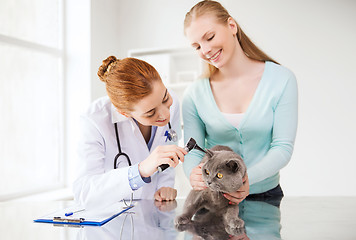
{"x":71,"y":213}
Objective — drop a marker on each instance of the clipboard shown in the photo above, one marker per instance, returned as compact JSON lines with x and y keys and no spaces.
{"x":82,"y":217}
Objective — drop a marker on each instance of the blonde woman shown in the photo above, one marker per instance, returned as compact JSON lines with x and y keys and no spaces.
{"x":247,"y":101}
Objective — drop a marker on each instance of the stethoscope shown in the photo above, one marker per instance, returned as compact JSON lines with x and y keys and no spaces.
{"x":132,"y":225}
{"x":170,"y":135}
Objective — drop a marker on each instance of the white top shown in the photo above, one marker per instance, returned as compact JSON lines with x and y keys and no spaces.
{"x":98,"y":183}
{"x":234,"y":118}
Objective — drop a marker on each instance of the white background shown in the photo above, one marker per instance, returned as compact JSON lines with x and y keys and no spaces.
{"x":315,"y":39}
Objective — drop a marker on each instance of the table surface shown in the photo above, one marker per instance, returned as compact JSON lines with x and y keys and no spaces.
{"x":296,"y":218}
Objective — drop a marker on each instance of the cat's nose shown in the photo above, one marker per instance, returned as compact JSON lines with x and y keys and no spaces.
{"x":208,"y":182}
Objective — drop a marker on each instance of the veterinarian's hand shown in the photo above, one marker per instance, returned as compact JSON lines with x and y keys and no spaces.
{"x":166,"y":206}
{"x":167,"y":154}
{"x":241,"y":194}
{"x":165,"y":194}
{"x":196,"y":178}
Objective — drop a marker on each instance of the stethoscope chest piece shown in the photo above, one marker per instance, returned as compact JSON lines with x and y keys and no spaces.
{"x":171,"y":135}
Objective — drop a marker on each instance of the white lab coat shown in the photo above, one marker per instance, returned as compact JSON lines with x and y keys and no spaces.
{"x":98,"y":184}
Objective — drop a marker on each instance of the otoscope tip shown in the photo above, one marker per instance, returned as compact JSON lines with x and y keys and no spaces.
{"x":192,"y":144}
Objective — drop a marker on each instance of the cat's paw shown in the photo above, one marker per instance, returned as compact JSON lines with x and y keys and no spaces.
{"x":235,"y":227}
{"x":181,"y":222}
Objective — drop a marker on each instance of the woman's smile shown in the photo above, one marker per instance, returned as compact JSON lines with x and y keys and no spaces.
{"x":161,"y":121}
{"x":215,"y":57}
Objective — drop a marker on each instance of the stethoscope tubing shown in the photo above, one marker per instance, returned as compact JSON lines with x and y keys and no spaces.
{"x":172,"y":135}
{"x":119,"y":149}
{"x":117,"y":157}
{"x":132,"y":225}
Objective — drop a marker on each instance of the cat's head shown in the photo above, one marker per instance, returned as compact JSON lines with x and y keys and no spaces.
{"x":223,"y":169}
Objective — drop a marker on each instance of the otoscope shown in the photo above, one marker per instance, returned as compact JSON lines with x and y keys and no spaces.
{"x":191,"y":144}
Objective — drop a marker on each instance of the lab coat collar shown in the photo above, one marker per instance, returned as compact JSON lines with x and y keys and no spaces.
{"x":116,"y":116}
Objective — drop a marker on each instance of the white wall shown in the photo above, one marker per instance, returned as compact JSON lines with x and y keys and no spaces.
{"x":119,"y":25}
{"x":315,"y":39}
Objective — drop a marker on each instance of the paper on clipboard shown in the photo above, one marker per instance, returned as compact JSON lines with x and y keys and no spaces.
{"x":95,"y":217}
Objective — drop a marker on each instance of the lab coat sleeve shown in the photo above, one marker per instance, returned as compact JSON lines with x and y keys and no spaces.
{"x":135,"y":179}
{"x":94,"y":187}
{"x":166,"y":178}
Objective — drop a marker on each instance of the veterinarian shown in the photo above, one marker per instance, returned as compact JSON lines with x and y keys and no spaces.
{"x":247,"y":101}
{"x":138,"y":119}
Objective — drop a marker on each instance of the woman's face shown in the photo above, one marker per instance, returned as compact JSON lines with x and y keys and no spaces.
{"x":214,"y":42}
{"x":153,"y":110}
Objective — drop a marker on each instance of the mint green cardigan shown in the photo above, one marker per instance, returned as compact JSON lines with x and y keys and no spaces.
{"x":266,"y":134}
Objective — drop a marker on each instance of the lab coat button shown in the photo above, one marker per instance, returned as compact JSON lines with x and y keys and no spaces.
{"x":135,"y":185}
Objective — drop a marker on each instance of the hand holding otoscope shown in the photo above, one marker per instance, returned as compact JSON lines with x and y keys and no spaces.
{"x":148,"y":166}
{"x":191,"y":144}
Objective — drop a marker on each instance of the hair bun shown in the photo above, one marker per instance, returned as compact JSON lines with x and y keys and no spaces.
{"x":104,"y":67}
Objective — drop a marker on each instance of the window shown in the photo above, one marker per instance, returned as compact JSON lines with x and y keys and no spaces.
{"x":31,"y":92}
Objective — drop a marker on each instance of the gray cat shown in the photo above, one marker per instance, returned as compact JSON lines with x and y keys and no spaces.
{"x":223,"y":171}
{"x":210,"y":226}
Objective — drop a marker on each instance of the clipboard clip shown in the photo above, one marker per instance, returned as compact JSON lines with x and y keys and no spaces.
{"x":66,"y":220}
{"x":68,"y":225}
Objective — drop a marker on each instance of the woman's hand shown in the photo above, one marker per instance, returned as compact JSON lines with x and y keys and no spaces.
{"x":241,"y":237}
{"x":196,"y":178}
{"x":169,"y":154}
{"x":165,"y":194}
{"x":241,"y":194}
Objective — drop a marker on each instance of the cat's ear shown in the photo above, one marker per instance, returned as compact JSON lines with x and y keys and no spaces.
{"x":209,"y":152}
{"x":232,"y":165}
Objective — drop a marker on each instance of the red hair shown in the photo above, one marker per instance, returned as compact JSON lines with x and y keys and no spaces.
{"x":127,"y":81}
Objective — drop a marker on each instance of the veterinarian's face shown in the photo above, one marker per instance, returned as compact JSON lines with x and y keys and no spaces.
{"x":153,"y":110}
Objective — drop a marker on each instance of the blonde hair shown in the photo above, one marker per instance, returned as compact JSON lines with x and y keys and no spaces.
{"x":222,"y":16}
{"x":127,"y":81}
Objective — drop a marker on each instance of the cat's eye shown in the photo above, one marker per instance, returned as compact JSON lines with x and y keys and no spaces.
{"x":219,"y":175}
{"x":207,"y":172}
